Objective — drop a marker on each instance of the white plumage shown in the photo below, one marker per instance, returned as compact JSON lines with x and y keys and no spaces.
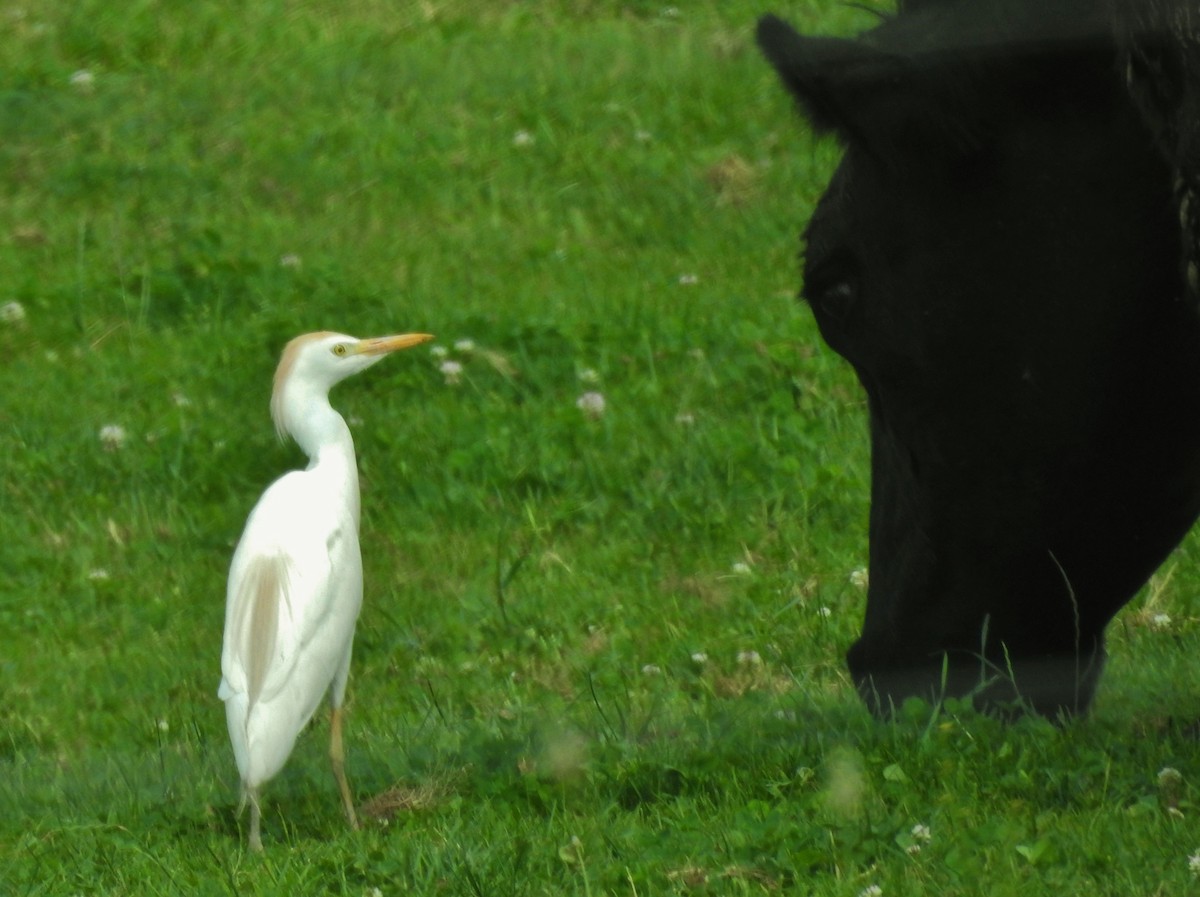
{"x":295,"y":583}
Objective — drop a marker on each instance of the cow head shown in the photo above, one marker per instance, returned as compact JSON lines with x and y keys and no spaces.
{"x":997,"y":257}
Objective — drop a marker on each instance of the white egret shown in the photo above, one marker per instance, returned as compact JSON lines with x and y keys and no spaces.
{"x":295,"y":583}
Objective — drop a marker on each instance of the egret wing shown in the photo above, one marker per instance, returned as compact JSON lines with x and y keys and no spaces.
{"x":280,"y":589}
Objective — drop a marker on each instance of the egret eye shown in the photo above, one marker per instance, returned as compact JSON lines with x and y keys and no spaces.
{"x":340,"y":350}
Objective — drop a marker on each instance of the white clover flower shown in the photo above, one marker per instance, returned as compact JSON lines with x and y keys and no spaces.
{"x":749,"y":658}
{"x":1169,"y":776}
{"x":374,"y":892}
{"x":1194,"y":863}
{"x":591,"y":403}
{"x":290,"y":260}
{"x":571,"y":853}
{"x":464,"y":345}
{"x":1160,"y":621}
{"x":180,"y":400}
{"x":824,"y":612}
{"x":12,"y":313}
{"x":921,"y":832}
{"x":871,"y":891}
{"x":685,"y":418}
{"x":688,"y":280}
{"x":83,"y":80}
{"x":452,"y":371}
{"x":588,"y":375}
{"x":652,"y":669}
{"x":163,"y":725}
{"x":522,"y":138}
{"x":112,"y":437}
{"x":98,"y":574}
{"x":741,"y":568}
{"x":438,"y":351}
{"x":859,"y":577}
{"x":699,"y":658}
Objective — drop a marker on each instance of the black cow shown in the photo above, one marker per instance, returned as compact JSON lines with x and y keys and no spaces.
{"x":998,"y":256}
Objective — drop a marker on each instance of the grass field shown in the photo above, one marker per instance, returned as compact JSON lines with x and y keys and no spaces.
{"x":599,"y":654}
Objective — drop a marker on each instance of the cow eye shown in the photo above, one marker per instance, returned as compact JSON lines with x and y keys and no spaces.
{"x":834,"y":299}
{"x":838,"y":293}
{"x":831,"y":279}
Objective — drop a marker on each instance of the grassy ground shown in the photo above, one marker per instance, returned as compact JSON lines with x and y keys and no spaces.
{"x":598,"y":655}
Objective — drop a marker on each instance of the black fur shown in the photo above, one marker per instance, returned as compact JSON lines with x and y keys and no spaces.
{"x":998,"y":256}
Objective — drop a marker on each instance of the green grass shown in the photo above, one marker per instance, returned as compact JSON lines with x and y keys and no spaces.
{"x":526,"y":713}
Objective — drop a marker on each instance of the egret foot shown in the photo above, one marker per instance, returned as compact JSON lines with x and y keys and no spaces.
{"x":337,"y":755}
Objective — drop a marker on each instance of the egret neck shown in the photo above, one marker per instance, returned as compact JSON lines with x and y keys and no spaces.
{"x":324,"y":437}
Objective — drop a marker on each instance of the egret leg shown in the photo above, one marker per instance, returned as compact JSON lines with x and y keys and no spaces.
{"x":337,"y":754}
{"x":255,"y":821}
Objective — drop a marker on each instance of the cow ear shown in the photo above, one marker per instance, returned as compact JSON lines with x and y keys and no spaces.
{"x":840,"y":85}
{"x":873,"y":97}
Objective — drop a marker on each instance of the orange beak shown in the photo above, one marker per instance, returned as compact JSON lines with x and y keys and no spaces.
{"x":381,"y":345}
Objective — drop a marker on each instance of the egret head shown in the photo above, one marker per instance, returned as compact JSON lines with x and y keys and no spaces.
{"x":313,"y":363}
